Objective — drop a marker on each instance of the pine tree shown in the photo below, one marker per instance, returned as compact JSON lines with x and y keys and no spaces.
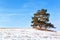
{"x":41,"y":19}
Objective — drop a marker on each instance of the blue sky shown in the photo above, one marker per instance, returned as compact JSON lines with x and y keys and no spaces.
{"x":18,"y":13}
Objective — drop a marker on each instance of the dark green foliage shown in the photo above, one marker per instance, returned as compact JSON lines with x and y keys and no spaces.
{"x":41,"y":19}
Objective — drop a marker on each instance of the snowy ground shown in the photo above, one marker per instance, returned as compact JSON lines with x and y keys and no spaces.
{"x":28,"y":34}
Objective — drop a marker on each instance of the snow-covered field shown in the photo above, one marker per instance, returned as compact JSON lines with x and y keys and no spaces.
{"x":28,"y":34}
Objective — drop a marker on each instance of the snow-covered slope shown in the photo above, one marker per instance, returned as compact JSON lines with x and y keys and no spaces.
{"x":28,"y":34}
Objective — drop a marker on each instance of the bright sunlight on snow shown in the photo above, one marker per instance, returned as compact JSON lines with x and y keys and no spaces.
{"x":28,"y":34}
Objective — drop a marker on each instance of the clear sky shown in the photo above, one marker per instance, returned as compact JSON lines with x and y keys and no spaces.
{"x":18,"y":13}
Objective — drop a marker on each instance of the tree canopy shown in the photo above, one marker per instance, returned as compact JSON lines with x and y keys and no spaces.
{"x":40,"y":20}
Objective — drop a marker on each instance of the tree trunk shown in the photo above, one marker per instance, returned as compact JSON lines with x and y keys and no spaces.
{"x":40,"y":27}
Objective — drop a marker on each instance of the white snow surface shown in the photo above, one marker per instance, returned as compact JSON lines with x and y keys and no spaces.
{"x":28,"y":34}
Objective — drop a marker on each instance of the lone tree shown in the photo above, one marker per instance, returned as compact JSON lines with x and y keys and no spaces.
{"x":41,"y":20}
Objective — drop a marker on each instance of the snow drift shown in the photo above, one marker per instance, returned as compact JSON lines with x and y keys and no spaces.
{"x":28,"y":34}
